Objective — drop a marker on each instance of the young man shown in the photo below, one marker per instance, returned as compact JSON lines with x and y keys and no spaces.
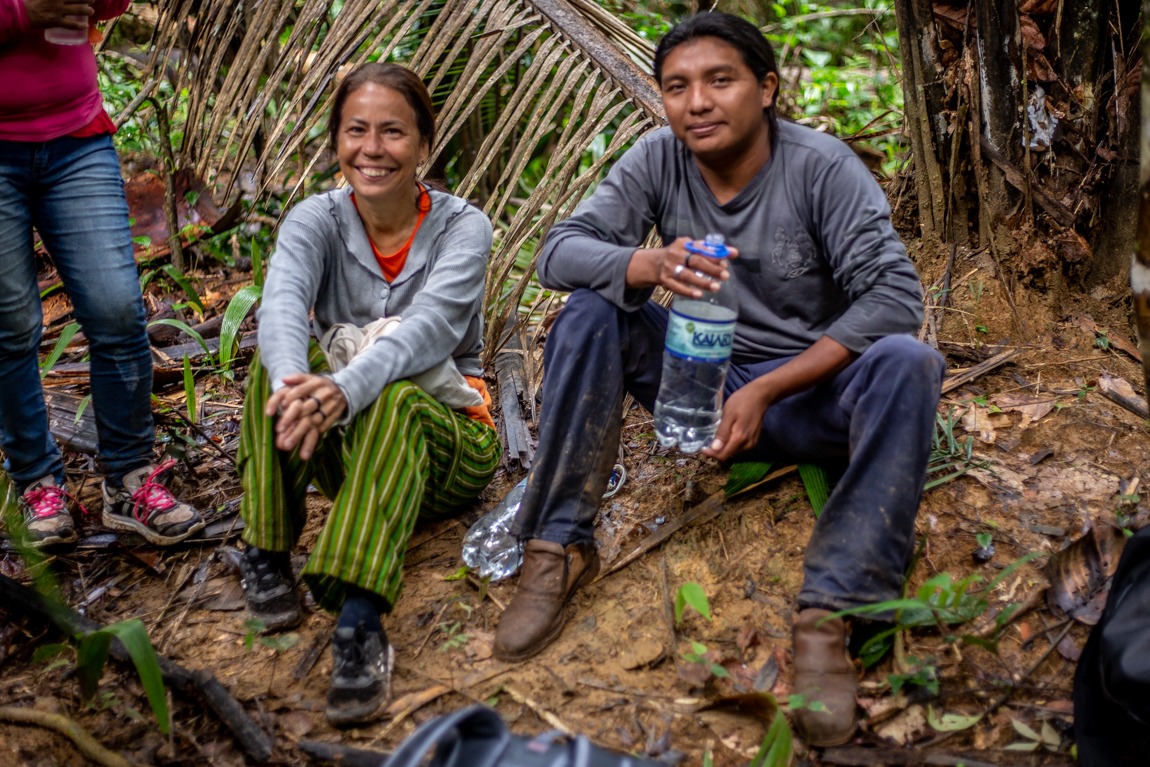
{"x":824,"y":368}
{"x":60,"y":175}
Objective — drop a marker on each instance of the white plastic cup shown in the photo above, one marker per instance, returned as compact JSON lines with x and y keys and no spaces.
{"x":66,"y":36}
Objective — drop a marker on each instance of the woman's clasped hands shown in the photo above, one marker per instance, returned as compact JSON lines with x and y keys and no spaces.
{"x":308,"y":405}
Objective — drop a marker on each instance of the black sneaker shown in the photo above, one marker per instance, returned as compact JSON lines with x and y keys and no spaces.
{"x":269,"y":588}
{"x":360,"y":675}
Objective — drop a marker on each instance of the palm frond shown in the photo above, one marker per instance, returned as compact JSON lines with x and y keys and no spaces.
{"x":535,"y":97}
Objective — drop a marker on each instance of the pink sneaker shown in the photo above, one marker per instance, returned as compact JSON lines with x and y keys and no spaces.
{"x":47,"y":520}
{"x":145,"y":506}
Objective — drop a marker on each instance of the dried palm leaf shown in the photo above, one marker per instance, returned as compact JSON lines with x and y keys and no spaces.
{"x":534,"y":99}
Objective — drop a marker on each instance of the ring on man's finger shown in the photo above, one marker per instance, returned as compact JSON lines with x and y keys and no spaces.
{"x":678,"y":269}
{"x":318,"y":403}
{"x":687,"y":260}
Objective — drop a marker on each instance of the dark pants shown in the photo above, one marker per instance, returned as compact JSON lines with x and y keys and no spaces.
{"x":872,"y":422}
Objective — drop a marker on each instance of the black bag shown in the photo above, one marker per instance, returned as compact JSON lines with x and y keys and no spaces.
{"x":1112,"y":682}
{"x":477,"y":737}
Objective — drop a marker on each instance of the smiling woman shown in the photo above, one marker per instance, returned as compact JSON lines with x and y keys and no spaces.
{"x":393,"y":274}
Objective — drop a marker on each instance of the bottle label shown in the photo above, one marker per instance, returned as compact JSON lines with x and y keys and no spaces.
{"x":699,"y":340}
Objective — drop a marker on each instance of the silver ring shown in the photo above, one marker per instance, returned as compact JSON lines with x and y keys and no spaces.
{"x":678,"y":269}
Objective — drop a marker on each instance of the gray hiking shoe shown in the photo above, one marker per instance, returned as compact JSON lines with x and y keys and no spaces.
{"x":47,"y":520}
{"x":269,"y":588}
{"x":145,"y":506}
{"x":360,"y":675}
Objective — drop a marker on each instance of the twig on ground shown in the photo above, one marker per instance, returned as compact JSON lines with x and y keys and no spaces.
{"x":87,"y":745}
{"x":434,"y":628}
{"x":404,"y":707}
{"x":976,"y":371}
{"x":541,"y":712}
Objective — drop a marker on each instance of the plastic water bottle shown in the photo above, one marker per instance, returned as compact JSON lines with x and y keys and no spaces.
{"x":700,"y":333}
{"x":492,"y":550}
{"x":489,"y":547}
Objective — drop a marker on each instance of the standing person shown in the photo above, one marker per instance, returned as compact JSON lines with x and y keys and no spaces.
{"x":60,"y":175}
{"x":382,"y":448}
{"x":823,"y":367}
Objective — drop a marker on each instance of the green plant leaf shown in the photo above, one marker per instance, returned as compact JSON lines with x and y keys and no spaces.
{"x":951,"y":722}
{"x":82,"y":407}
{"x":691,"y":594}
{"x":187,"y":329}
{"x":185,"y":284}
{"x":61,"y":343}
{"x":91,"y":654}
{"x":238,"y":308}
{"x":1025,"y":730}
{"x":743,"y":475}
{"x":189,"y":389}
{"x":134,"y":637}
{"x":47,"y":652}
{"x":777,"y":746}
{"x":818,"y":487}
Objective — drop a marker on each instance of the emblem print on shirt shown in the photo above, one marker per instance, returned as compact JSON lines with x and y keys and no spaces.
{"x":794,"y":253}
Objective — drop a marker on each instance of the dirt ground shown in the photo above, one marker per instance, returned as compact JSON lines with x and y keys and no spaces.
{"x":1050,"y":457}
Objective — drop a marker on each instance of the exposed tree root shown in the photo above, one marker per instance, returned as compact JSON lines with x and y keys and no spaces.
{"x":88,"y":746}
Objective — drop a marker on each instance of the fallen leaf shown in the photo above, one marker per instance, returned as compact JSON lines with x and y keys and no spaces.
{"x":1080,"y":573}
{"x":1032,"y":406}
{"x":980,"y":422}
{"x":906,"y":727}
{"x":296,"y":724}
{"x":1069,"y":649}
{"x":951,"y":722}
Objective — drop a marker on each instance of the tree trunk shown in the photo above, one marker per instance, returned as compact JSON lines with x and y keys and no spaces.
{"x":1021,"y":116}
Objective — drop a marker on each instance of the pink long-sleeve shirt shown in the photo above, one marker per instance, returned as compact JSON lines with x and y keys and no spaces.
{"x":46,"y":90}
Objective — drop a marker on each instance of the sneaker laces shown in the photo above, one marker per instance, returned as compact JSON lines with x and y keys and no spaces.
{"x":151,"y":497}
{"x":48,"y":501}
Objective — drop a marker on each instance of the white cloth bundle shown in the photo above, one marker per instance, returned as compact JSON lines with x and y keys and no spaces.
{"x":343,"y":342}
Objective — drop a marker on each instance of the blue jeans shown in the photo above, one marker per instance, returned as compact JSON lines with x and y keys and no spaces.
{"x":871,"y":425}
{"x":71,"y":191}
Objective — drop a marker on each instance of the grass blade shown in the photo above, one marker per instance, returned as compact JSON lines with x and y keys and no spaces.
{"x":61,"y":343}
{"x":189,"y":389}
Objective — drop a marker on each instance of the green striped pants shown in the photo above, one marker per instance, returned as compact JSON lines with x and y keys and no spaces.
{"x":403,"y":456}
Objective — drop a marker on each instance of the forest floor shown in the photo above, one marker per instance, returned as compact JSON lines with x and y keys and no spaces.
{"x":1044,"y":460}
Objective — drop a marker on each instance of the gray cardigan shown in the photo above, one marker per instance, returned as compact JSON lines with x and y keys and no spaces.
{"x":323,"y":261}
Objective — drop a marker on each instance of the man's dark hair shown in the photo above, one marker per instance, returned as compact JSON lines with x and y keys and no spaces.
{"x":399,"y":79}
{"x":739,"y":33}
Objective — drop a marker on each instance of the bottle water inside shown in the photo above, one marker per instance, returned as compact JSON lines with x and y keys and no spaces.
{"x":700,"y":334}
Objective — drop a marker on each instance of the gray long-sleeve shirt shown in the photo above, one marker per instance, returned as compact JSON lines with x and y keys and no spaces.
{"x":817,"y":252}
{"x":324,"y":261}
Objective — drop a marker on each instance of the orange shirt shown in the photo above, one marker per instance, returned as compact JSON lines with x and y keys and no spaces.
{"x":392,"y":264}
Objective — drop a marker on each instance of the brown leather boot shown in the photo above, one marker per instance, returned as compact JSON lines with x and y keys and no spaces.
{"x":551,"y":574}
{"x":824,"y":673}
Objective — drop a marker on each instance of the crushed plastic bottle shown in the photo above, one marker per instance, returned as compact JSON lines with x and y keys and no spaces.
{"x":492,"y":550}
{"x":489,"y":547}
